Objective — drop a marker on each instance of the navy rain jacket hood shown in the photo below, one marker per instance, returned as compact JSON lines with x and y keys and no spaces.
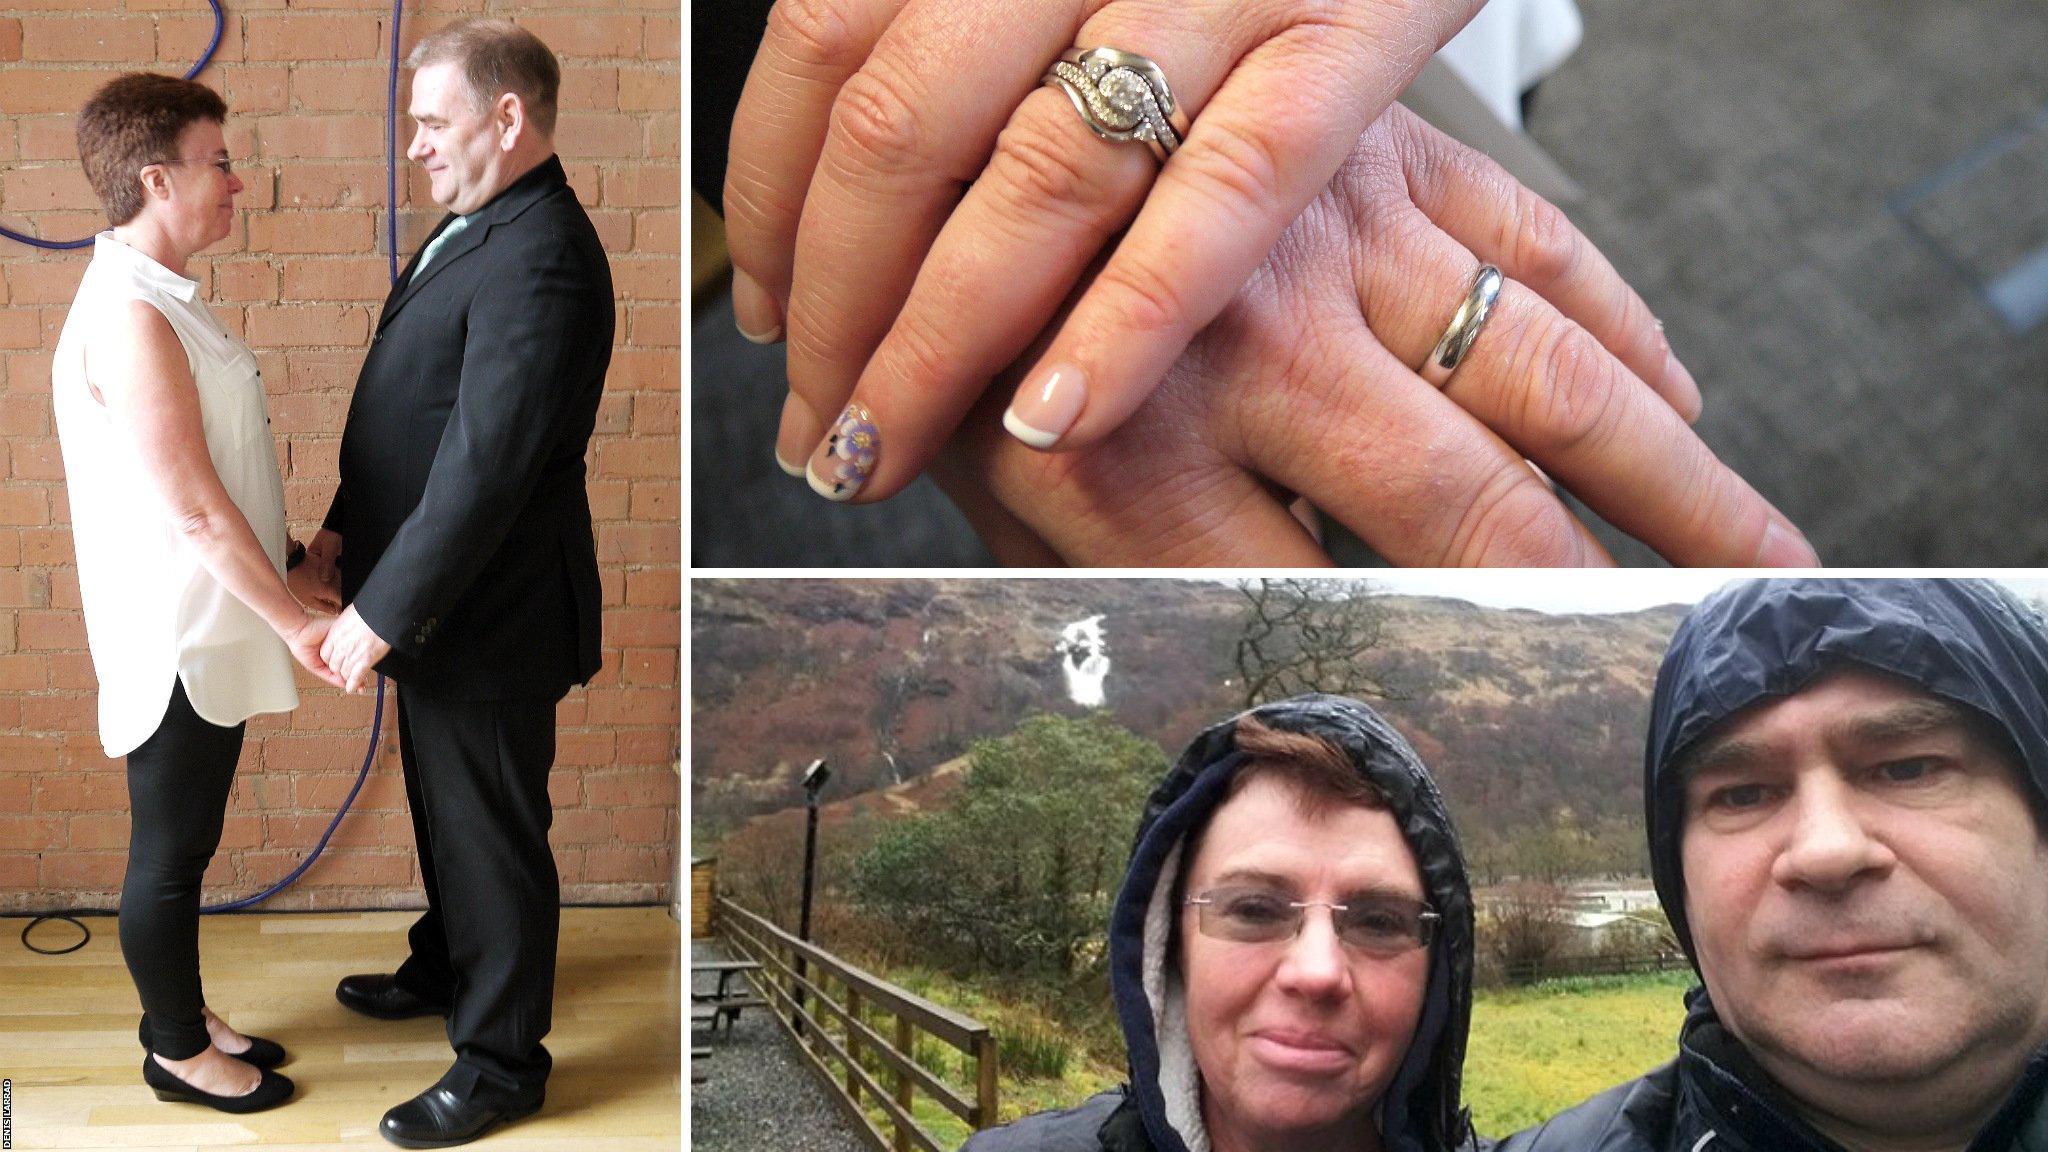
{"x":1421,"y":1111}
{"x":1160,"y":1110}
{"x":1969,"y":641}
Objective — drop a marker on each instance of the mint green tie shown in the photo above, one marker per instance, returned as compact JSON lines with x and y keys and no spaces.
{"x":434,"y":249}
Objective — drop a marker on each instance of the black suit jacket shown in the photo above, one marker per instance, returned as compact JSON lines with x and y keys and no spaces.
{"x":466,"y":541}
{"x":724,"y":36}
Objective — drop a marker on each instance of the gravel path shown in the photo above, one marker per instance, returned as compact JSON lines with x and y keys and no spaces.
{"x":762,"y":1095}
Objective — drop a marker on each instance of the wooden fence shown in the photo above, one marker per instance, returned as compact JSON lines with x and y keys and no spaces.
{"x":1563,"y":967}
{"x":840,"y":1037}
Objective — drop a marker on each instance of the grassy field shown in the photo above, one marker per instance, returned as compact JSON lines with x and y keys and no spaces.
{"x":1534,"y":1051}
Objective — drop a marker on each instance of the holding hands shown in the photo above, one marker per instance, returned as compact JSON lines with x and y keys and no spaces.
{"x":340,"y":649}
{"x":305,"y":643}
{"x":911,"y":206}
{"x":919,"y":203}
{"x":1303,"y":386}
{"x":316,"y":582}
{"x":352,"y":650}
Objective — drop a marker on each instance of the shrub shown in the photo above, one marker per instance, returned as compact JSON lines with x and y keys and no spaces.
{"x":1524,"y":930}
{"x":1017,"y":876}
{"x":1027,"y":1051}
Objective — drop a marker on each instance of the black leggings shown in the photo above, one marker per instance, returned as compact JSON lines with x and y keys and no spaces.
{"x":178,"y":783}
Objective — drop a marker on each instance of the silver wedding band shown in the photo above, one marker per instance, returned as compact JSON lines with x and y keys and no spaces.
{"x":1464,"y":328}
{"x":1121,"y":96}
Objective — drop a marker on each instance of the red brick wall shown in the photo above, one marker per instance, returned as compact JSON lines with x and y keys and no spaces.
{"x":301,"y":279}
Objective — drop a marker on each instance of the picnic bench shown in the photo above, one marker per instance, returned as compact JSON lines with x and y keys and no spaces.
{"x":723,"y":1005}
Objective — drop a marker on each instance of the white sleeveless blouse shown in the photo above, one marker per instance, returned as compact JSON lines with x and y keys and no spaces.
{"x":153,"y":614}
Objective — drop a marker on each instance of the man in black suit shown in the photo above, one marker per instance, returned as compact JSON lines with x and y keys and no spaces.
{"x":460,"y":540}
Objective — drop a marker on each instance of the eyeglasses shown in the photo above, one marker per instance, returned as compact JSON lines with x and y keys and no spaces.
{"x":226,"y":166}
{"x":1383,"y":924}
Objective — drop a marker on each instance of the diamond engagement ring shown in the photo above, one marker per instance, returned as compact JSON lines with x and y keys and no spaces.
{"x":1122,"y":96}
{"x":1464,"y":328}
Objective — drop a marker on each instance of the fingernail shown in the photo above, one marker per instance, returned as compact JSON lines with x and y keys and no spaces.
{"x":797,"y":433}
{"x":1047,"y":405}
{"x":1784,"y":547}
{"x":758,"y":315}
{"x":846,"y":457}
{"x":1685,"y":390}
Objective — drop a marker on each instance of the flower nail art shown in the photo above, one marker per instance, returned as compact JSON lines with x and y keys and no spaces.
{"x":846,"y":459}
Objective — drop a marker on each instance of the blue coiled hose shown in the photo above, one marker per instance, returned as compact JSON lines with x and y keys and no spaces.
{"x":59,"y":245}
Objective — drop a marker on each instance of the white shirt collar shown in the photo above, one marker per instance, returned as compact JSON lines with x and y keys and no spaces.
{"x":112,"y":247}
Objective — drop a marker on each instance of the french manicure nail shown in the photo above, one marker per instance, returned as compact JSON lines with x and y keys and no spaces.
{"x":797,"y":431}
{"x":1047,"y":405}
{"x":1686,"y":391}
{"x":756,"y":313}
{"x":846,"y":458}
{"x":1784,"y":547}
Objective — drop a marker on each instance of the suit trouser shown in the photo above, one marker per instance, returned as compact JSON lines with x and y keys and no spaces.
{"x":476,"y":778}
{"x":178,"y":783}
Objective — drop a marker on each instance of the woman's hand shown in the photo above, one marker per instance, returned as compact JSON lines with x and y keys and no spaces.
{"x":305,"y":642}
{"x":911,"y":207}
{"x":316,"y":582}
{"x":1303,"y":386}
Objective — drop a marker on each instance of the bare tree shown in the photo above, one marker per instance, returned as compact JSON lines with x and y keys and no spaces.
{"x":1526,"y":928}
{"x":1310,"y":636}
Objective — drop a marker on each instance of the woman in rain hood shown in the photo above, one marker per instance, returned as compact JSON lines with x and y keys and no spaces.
{"x":1291,"y":951}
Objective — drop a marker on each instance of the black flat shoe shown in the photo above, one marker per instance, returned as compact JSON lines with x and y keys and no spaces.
{"x":261,"y":1053}
{"x":437,"y":1119}
{"x":379,"y":995}
{"x":270,"y":1091}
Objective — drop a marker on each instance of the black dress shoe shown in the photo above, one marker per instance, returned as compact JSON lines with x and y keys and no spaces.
{"x":380,"y":996}
{"x":260,"y":1053}
{"x":270,"y":1091}
{"x":436,"y":1118}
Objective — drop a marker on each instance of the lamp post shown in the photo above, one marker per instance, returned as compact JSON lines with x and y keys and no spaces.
{"x":814,"y":780}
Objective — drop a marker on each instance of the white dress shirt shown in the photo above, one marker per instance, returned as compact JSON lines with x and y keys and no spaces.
{"x":153,"y":613}
{"x":1509,"y":46}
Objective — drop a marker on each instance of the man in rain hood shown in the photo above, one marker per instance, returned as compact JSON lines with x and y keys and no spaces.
{"x":1291,"y":951}
{"x":1845,"y":787}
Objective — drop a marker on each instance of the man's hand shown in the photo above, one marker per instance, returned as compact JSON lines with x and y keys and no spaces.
{"x":1302,"y":387}
{"x":316,"y":582}
{"x":306,"y":643}
{"x":910,"y":205}
{"x":352,"y":650}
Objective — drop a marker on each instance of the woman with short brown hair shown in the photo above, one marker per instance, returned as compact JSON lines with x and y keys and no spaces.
{"x":177,"y":515}
{"x":1290,"y":951}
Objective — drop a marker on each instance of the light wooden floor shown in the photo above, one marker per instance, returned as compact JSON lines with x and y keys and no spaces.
{"x":67,"y":1036}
